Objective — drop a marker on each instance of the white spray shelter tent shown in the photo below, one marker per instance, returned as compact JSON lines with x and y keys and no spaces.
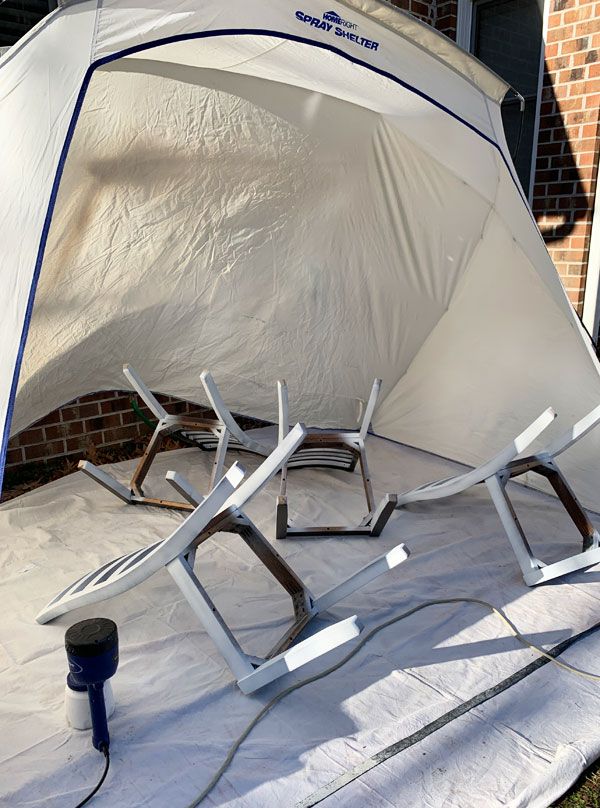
{"x":321,"y":192}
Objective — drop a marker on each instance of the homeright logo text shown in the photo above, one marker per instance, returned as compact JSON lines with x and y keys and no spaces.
{"x":332,"y":16}
{"x":332,"y":22}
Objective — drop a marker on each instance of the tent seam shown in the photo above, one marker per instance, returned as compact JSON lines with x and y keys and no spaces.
{"x":459,"y":285}
{"x":99,"y":5}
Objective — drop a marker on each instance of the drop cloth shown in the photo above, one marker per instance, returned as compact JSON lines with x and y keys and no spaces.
{"x":178,"y":709}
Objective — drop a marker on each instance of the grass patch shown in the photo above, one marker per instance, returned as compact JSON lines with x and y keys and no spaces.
{"x":586,"y":791}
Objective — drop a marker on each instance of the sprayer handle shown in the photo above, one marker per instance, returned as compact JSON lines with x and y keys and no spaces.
{"x":100,"y":736}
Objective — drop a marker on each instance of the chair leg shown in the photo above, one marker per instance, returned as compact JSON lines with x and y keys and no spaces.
{"x":328,"y":639}
{"x":106,"y":480}
{"x":281,"y":510}
{"x":381,"y":515}
{"x":281,"y":518}
{"x":366,"y":477}
{"x":589,"y":535}
{"x":184,"y":488}
{"x":146,"y":460}
{"x":219,"y":461}
{"x":497,"y":487}
{"x":207,"y":613}
{"x":362,"y":577}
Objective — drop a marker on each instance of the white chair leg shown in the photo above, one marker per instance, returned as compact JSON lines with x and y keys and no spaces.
{"x":370,"y":409}
{"x":184,"y":488}
{"x":283,"y":410}
{"x":219,"y":461}
{"x":381,"y":514}
{"x":361,"y":578}
{"x":207,"y":613}
{"x":497,"y":487}
{"x":138,"y":385}
{"x":106,"y":480}
{"x":298,"y":655}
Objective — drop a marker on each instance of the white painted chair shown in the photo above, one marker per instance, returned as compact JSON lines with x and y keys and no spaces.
{"x":322,"y":456}
{"x":505,"y":466}
{"x":222,"y":511}
{"x":208,"y":434}
{"x":205,"y":433}
{"x":319,"y":441}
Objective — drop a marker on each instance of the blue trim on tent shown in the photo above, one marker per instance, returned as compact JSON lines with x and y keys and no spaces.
{"x":71,"y":131}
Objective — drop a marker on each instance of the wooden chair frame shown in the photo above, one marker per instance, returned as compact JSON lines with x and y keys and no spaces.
{"x":205,"y":433}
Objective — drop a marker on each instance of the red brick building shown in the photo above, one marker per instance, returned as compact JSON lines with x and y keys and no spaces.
{"x":548,"y":50}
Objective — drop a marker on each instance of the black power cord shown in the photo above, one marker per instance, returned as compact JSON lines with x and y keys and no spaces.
{"x":100,"y":781}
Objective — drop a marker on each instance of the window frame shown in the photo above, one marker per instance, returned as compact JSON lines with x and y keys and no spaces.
{"x":465,"y":34}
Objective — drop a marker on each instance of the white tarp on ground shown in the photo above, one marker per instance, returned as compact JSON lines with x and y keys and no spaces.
{"x":179,"y":710}
{"x":322,"y":193}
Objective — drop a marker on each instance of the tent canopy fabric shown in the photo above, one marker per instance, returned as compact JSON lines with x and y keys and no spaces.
{"x":321,"y":193}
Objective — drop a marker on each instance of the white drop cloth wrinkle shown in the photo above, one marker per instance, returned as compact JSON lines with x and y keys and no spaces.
{"x":178,"y":710}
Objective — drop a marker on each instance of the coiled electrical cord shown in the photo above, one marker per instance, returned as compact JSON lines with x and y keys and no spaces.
{"x":365,"y":639}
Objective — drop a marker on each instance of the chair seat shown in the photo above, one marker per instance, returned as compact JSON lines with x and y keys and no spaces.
{"x":317,"y":457}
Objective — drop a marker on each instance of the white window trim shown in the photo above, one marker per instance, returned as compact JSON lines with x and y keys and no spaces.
{"x":464,"y":35}
{"x":464,"y":23}
{"x":536,"y":125}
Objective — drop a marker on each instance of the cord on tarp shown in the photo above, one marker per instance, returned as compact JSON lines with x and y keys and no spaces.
{"x":548,"y":656}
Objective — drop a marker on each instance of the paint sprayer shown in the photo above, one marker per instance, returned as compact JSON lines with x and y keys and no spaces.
{"x":92,"y":648}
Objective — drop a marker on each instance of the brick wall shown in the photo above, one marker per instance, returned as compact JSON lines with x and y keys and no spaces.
{"x":424,"y":10}
{"x":569,"y":139}
{"x":445,"y":17}
{"x":98,"y":420}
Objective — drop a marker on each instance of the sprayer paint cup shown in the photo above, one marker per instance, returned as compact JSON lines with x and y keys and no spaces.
{"x":77,"y":706}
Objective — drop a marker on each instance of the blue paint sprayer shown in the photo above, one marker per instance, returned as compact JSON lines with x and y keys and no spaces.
{"x":93,"y":654}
